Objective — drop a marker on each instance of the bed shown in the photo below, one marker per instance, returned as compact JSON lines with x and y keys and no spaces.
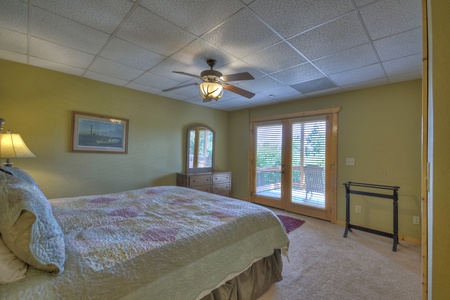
{"x":161,"y":242}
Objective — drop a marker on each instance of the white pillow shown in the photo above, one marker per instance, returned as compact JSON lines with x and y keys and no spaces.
{"x":11,"y":267}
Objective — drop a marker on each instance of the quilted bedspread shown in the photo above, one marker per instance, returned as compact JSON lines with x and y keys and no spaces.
{"x":152,"y":243}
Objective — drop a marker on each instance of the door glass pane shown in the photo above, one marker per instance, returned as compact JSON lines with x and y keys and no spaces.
{"x":308,"y":162}
{"x":268,"y":160}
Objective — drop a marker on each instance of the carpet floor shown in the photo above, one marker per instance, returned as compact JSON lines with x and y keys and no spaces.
{"x":325,"y":265}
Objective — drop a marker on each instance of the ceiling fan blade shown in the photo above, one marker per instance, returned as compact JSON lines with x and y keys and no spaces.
{"x":238,"y":76}
{"x":187,"y":74}
{"x":179,"y":87}
{"x":238,"y":90}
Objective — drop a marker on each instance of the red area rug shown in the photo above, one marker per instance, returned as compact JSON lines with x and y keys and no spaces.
{"x":290,"y":224}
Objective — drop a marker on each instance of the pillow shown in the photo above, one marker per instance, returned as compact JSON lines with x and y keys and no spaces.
{"x":28,"y":227}
{"x":11,"y":267}
{"x":20,"y":174}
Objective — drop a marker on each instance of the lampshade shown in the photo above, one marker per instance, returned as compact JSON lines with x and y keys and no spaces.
{"x":211,"y":91}
{"x":12,"y":146}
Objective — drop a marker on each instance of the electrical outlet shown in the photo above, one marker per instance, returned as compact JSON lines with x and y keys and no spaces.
{"x":358,"y":209}
{"x":416,"y":220}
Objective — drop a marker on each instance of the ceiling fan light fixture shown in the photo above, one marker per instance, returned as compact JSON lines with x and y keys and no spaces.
{"x":211,"y":91}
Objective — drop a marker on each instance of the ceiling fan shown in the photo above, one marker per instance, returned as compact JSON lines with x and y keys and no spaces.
{"x":213,"y":83}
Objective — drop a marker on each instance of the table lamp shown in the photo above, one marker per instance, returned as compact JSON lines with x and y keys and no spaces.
{"x":12,"y":146}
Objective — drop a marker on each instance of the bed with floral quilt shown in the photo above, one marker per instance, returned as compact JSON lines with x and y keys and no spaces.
{"x":161,"y":242}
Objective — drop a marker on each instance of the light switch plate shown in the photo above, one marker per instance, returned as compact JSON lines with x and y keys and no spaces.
{"x":350,"y":161}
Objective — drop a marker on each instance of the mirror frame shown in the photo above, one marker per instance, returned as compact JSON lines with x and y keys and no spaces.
{"x":188,"y":145}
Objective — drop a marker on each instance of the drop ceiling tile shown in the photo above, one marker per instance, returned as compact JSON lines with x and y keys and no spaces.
{"x":343,"y":33}
{"x":262,"y":100}
{"x":131,"y":55}
{"x":14,"y":15}
{"x":276,"y":95}
{"x":367,"y":84}
{"x":59,"y":54}
{"x":241,"y":35}
{"x":281,"y":93}
{"x":196,"y":53}
{"x":239,"y":66}
{"x":290,"y":17}
{"x":367,"y":73}
{"x":142,"y":88}
{"x":403,"y":65}
{"x":329,"y":91}
{"x":275,"y":58}
{"x":108,"y":67}
{"x":13,"y":56}
{"x":105,"y":78}
{"x":191,"y":15}
{"x":167,"y":66}
{"x":51,"y":65}
{"x":98,"y":14}
{"x":360,"y":3}
{"x":189,"y":91}
{"x":154,"y":33}
{"x":345,"y":60}
{"x":314,"y":85}
{"x":260,"y":84}
{"x":405,"y":77}
{"x":388,"y":17}
{"x":297,"y":74}
{"x":13,"y":41}
{"x":59,"y":30}
{"x":399,"y":45}
{"x":156,"y":81}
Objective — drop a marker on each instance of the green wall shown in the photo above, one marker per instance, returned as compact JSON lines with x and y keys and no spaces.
{"x":380,"y":127}
{"x":38,"y":104}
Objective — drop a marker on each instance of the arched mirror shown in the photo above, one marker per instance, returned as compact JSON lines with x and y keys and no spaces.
{"x":200,"y":149}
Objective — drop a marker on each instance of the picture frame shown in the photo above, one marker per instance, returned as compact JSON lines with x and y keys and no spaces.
{"x":99,"y":134}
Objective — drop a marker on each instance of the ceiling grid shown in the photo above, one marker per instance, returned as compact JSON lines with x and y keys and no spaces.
{"x":294,"y":48}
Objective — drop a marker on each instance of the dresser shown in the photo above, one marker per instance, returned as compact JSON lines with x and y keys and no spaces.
{"x":212,"y":182}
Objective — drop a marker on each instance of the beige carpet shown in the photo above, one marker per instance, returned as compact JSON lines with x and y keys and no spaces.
{"x":324,"y":265}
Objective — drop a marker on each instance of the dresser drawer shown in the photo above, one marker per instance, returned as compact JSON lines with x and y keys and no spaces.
{"x":222,"y":189}
{"x":203,"y":188}
{"x":221,"y":177}
{"x":216,"y":182}
{"x":199,"y":180}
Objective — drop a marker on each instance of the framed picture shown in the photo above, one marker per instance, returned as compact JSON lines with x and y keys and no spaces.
{"x":99,"y":134}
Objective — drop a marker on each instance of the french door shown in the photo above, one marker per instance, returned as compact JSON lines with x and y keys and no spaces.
{"x":293,"y":162}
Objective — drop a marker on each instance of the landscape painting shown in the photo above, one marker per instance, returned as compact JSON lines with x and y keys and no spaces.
{"x":97,"y":133}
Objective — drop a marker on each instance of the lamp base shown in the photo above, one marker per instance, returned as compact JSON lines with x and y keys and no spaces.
{"x":8,"y":163}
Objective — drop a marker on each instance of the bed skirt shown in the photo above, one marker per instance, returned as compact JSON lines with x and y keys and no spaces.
{"x":252,"y":283}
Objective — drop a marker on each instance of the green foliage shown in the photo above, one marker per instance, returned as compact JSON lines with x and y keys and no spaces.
{"x":268,"y":155}
{"x":315,"y":142}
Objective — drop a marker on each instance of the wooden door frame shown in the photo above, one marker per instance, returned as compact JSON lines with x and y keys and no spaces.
{"x":425,"y":177}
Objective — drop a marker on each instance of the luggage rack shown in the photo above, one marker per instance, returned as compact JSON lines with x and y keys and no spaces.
{"x":394,"y":197}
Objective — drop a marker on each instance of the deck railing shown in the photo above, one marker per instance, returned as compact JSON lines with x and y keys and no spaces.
{"x":269,"y":178}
